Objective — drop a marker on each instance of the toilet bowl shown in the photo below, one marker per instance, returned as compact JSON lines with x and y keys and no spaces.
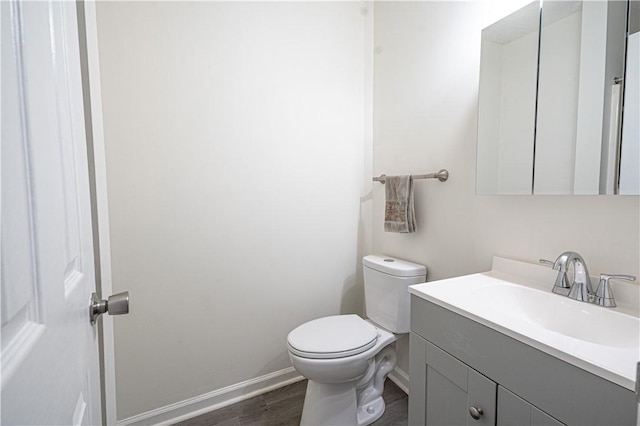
{"x":347,"y":358}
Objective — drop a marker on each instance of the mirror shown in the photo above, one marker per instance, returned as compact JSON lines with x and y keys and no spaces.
{"x":570,"y":102}
{"x":507,"y":100}
{"x":630,"y":144}
{"x":549,"y":111}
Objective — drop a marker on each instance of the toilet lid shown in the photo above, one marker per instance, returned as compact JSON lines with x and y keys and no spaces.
{"x":332,"y":337}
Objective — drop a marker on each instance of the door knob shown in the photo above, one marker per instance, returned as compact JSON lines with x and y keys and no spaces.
{"x":117,"y":304}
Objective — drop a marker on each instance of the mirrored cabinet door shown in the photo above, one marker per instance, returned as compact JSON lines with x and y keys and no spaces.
{"x":630,"y":145}
{"x":507,"y":100}
{"x":562,"y":88}
{"x":552,"y":100}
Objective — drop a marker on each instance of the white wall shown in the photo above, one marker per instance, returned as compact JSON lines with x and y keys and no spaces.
{"x":239,"y":177}
{"x":237,"y":157}
{"x":426,"y":83}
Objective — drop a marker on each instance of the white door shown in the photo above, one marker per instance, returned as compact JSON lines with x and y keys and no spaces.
{"x":50,"y":368}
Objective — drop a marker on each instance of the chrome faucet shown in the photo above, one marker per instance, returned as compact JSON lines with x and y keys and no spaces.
{"x":561,"y":285}
{"x":580,"y":287}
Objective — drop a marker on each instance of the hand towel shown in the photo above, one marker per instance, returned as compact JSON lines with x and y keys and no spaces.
{"x":399,"y":214}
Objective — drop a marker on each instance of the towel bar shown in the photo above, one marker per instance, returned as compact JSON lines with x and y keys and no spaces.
{"x":441,"y":175}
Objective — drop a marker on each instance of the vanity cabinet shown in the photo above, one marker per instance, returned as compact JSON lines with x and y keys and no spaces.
{"x":515,"y":411}
{"x":452,"y":387}
{"x":457,"y":363}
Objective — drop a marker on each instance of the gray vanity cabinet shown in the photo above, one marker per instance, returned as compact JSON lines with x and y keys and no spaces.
{"x":452,"y":387}
{"x":515,"y":411}
{"x":456,"y":364}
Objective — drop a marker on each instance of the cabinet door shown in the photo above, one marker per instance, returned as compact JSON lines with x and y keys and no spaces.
{"x":515,"y":411}
{"x":453,"y":389}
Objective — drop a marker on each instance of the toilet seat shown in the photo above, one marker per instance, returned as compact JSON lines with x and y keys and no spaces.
{"x":332,"y":337}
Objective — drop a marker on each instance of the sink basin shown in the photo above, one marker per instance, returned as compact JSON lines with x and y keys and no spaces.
{"x":520,"y":304}
{"x":562,"y":315}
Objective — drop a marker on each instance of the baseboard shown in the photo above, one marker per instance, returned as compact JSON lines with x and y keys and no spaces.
{"x":400,"y":378}
{"x":198,"y":405}
{"x":220,"y":398}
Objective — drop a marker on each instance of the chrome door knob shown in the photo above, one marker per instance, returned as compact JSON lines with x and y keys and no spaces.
{"x":117,"y":304}
{"x":475,"y":412}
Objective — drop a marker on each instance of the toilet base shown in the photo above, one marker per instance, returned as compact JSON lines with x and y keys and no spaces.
{"x":354,"y":403}
{"x":335,"y":404}
{"x":329,"y":404}
{"x":371,"y":412}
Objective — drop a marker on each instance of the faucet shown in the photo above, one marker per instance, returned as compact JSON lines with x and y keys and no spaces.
{"x":581,"y":288}
{"x":561,"y":286}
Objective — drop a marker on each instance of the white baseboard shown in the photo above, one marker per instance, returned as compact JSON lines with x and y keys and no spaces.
{"x":400,"y":378}
{"x":220,"y":398}
{"x":201,"y":404}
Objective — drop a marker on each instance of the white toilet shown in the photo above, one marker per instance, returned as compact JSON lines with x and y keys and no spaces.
{"x":347,"y":358}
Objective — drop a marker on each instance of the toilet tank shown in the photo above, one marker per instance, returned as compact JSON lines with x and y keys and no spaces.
{"x":386,"y":282}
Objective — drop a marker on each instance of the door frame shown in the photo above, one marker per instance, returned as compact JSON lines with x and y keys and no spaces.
{"x":92,"y":94}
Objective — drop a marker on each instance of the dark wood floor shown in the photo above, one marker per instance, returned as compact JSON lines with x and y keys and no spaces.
{"x":284,"y":407}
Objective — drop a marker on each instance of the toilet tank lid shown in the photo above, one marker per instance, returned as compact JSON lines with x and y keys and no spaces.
{"x":393,"y":266}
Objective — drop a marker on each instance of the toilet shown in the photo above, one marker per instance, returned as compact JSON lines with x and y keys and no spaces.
{"x":347,"y":358}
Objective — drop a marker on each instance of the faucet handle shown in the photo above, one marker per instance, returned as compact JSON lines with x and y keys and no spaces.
{"x":561,"y":286}
{"x":604,"y":295}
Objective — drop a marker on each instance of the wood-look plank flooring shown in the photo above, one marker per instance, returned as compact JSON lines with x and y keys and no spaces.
{"x":284,"y":407}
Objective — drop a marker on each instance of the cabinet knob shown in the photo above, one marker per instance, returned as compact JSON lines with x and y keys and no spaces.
{"x":475,"y":412}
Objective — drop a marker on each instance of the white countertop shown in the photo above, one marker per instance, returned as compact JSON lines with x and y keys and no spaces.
{"x":515,"y":299}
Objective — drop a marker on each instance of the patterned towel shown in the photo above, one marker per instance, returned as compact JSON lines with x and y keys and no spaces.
{"x":399,"y":214}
